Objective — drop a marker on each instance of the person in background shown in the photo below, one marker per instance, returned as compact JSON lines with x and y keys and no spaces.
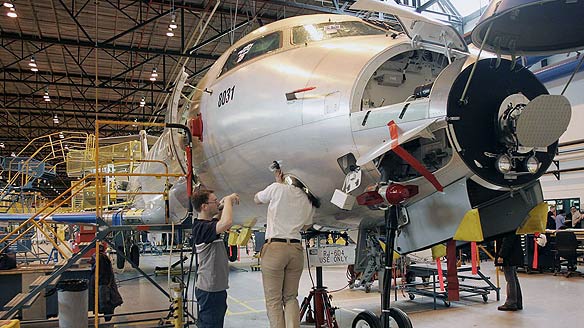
{"x":576,"y":217}
{"x":290,"y":210}
{"x":551,"y":218}
{"x":213,"y":265}
{"x":560,"y":220}
{"x":109,"y":296}
{"x":509,"y":256}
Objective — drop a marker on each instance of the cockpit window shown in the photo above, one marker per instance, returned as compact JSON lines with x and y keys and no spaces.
{"x":252,"y":50}
{"x":324,"y":31}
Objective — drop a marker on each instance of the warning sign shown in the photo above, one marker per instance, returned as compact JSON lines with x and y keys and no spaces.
{"x":328,"y":255}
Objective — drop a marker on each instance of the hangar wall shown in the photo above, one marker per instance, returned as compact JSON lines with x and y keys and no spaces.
{"x":571,"y":184}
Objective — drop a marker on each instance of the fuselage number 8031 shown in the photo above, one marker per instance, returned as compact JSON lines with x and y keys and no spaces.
{"x":226,"y":96}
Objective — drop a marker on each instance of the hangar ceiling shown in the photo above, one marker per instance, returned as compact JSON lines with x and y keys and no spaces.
{"x":95,"y":59}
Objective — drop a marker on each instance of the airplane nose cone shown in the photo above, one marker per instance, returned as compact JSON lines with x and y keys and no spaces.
{"x":530,"y":27}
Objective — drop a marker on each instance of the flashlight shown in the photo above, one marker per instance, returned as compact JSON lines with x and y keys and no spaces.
{"x":275,"y":166}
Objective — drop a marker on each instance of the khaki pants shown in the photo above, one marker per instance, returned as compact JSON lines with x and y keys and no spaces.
{"x":282,"y":266}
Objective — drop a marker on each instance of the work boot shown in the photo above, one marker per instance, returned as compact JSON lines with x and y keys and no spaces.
{"x":506,"y":307}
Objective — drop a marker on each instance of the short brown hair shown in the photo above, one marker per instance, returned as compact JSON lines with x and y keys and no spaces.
{"x":199,"y":198}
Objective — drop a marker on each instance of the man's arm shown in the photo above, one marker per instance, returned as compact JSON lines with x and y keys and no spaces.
{"x":226,"y":219}
{"x":256,"y":198}
{"x":263,"y":197}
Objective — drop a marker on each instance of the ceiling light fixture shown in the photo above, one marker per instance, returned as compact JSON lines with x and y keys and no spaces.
{"x":170,"y":33}
{"x":2,"y":145}
{"x":13,"y":154}
{"x":12,"y":12}
{"x":56,"y":119}
{"x":154,"y":75}
{"x":172,"y":24}
{"x":8,"y":4}
{"x":33,"y":65}
{"x":61,"y":135}
{"x":142,"y":102}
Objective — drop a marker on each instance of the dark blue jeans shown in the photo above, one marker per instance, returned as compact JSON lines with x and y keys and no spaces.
{"x":212,"y":308}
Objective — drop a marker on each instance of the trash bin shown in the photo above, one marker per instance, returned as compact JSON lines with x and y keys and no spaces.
{"x":72,"y":296}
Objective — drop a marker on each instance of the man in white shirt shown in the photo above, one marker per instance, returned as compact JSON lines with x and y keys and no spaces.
{"x":576,"y":217}
{"x":290,"y":210}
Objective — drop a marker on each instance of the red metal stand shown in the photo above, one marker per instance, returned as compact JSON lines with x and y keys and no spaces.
{"x":324,"y":312}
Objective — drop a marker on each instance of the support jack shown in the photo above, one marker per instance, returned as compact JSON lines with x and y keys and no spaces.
{"x":323,"y":314}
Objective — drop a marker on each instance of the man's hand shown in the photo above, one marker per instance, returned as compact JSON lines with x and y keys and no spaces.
{"x":226,"y":207}
{"x":279,"y":176}
{"x":233,"y":198}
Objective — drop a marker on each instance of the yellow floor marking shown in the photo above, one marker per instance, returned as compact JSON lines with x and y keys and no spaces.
{"x":242,"y":304}
{"x":245,"y":312}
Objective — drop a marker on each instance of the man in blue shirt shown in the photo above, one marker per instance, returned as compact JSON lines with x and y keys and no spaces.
{"x":213,"y":270}
{"x":560,"y":220}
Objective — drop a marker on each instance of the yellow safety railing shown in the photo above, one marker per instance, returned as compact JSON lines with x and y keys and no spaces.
{"x":41,"y":222}
{"x":23,"y":176}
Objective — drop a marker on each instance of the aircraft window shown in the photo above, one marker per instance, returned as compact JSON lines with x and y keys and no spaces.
{"x":324,"y":31}
{"x":252,"y":50}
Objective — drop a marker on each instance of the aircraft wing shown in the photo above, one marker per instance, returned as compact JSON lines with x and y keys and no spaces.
{"x":399,"y":138}
{"x":419,"y":28}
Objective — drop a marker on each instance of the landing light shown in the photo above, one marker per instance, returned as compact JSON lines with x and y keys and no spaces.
{"x":532,"y":165}
{"x":504,"y":164}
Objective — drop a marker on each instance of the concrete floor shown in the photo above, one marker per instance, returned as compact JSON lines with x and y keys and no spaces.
{"x":548,"y":301}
